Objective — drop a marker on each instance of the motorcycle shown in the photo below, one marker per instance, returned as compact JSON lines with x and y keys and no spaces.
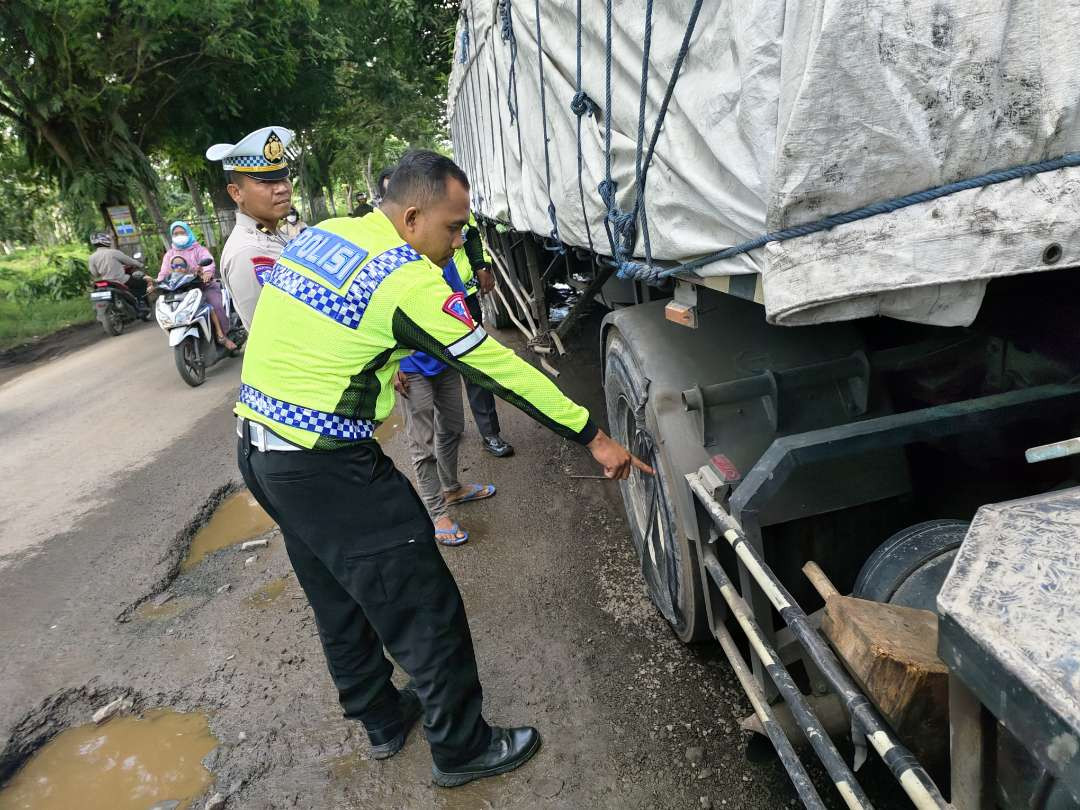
{"x":116,"y":305}
{"x":184,"y":313}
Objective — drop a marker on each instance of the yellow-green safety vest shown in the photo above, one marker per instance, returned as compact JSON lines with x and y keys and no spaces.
{"x":344,"y":303}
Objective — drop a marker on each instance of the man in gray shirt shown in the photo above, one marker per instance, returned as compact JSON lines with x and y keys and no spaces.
{"x":109,"y":264}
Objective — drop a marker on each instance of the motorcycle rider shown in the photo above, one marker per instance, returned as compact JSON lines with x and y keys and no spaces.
{"x":293,"y":225}
{"x":109,"y":264}
{"x":185,"y":256}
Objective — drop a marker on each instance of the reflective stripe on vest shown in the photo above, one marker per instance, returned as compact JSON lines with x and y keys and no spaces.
{"x":346,"y":309}
{"x":296,"y":416}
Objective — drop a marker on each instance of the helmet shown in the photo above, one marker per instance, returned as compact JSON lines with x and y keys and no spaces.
{"x":101,"y":239}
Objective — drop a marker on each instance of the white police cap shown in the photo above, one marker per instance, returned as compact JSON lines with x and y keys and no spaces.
{"x":260,"y":153}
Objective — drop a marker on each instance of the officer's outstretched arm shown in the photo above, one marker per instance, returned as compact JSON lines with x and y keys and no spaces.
{"x":429,"y":321}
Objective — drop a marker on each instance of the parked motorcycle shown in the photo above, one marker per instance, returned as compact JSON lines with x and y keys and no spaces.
{"x":116,"y":305}
{"x":184,"y":313}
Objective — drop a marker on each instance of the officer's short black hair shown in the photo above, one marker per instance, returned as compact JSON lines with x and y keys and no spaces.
{"x":383,"y":179}
{"x":420,"y":178}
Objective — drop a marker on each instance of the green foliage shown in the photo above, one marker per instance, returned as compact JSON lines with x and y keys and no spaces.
{"x":92,"y":87}
{"x":101,"y":99}
{"x":22,"y":320}
{"x":44,"y":274}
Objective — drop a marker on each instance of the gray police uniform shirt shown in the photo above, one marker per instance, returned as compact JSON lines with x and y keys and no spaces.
{"x":110,"y":264}
{"x":249,"y":254}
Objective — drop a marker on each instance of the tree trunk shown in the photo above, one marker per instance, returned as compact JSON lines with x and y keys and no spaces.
{"x":200,"y":210}
{"x":330,"y":198}
{"x":367,"y":179}
{"x":224,"y":210}
{"x":348,"y":198}
{"x":155,"y":212}
{"x":317,"y":204}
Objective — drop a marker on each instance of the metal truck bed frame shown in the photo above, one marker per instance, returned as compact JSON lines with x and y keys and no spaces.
{"x":737,"y":525}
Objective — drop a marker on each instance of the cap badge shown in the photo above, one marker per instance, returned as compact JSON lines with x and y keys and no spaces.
{"x":273,"y":149}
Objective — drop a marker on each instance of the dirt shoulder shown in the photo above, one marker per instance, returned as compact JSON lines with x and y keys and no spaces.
{"x":20,"y":359}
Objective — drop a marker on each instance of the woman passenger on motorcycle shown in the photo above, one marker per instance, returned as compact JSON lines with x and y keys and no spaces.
{"x":186,"y":248}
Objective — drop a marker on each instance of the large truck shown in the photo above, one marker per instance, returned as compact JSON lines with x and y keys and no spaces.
{"x":837,"y":242}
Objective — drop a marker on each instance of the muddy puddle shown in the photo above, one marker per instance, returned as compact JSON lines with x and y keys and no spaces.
{"x":169,"y":610}
{"x":473,"y":796}
{"x":268,"y":593}
{"x":239,"y":518}
{"x":390,"y":428}
{"x":127,"y":763}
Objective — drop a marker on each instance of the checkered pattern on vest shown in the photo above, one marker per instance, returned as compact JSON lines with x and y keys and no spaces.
{"x":349,"y":308}
{"x":325,"y":424}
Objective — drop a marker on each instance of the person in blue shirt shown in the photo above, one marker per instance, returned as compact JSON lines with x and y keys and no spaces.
{"x":434,"y":421}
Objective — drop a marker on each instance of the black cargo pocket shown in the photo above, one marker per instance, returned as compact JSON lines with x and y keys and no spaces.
{"x":365,"y":580}
{"x":408,"y":575}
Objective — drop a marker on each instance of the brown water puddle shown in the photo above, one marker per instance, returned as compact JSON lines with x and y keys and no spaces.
{"x":128,"y":763}
{"x":390,"y":428}
{"x":239,"y":518}
{"x":267,"y":594}
{"x":152,"y":612}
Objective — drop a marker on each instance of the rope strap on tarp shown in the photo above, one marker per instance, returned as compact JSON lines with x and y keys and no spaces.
{"x":651,"y":273}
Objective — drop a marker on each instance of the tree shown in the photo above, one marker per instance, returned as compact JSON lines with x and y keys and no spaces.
{"x":93,"y":86}
{"x":102,"y":96}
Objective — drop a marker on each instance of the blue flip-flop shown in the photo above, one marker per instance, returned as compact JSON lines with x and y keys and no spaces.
{"x":454,"y":536}
{"x":476,"y":492}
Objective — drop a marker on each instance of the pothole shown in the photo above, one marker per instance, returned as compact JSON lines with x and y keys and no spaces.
{"x":159,"y":612}
{"x":389,"y":428}
{"x":153,"y":758}
{"x":238,"y":518}
{"x":268,"y":593}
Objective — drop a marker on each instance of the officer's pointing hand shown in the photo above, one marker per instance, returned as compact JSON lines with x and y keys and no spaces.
{"x":614,"y":458}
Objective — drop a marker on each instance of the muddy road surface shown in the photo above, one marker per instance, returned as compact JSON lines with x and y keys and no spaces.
{"x":112,"y":465}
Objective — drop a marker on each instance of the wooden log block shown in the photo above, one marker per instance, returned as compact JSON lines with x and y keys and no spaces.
{"x":891,"y":651}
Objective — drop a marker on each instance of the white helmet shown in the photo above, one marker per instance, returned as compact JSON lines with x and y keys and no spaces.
{"x":101,"y":239}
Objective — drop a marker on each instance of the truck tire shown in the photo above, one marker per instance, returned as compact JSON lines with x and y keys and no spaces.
{"x":669,"y":563}
{"x":495,"y":316}
{"x":909,"y":568}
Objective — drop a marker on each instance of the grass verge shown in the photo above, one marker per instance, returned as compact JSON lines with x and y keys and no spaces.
{"x":21,"y":322}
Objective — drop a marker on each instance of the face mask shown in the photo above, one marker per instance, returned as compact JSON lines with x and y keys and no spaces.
{"x":179,"y":241}
{"x":291,"y":218}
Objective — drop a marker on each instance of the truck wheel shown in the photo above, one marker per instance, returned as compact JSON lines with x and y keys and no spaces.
{"x":191,"y":368}
{"x":910,"y":567}
{"x":494,"y":315}
{"x":669,"y":564}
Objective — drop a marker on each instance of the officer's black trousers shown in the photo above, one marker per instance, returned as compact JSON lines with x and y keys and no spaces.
{"x":481,"y":401}
{"x":364,"y":551}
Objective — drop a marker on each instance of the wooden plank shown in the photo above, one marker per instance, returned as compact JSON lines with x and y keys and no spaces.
{"x":892,"y":652}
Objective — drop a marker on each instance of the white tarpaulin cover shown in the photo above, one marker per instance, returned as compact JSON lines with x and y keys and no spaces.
{"x":786,"y":112}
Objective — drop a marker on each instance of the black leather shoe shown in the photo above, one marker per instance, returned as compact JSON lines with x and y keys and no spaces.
{"x":509,"y":748}
{"x":411,"y":710}
{"x":497,"y":446}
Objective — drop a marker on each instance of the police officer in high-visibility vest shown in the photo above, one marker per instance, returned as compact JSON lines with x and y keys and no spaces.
{"x":346,"y":300}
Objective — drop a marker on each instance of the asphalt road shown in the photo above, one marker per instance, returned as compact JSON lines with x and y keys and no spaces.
{"x":110,"y":463}
{"x":71,"y":428}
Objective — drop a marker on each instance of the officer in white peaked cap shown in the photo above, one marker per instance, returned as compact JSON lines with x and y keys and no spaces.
{"x":257,"y":173}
